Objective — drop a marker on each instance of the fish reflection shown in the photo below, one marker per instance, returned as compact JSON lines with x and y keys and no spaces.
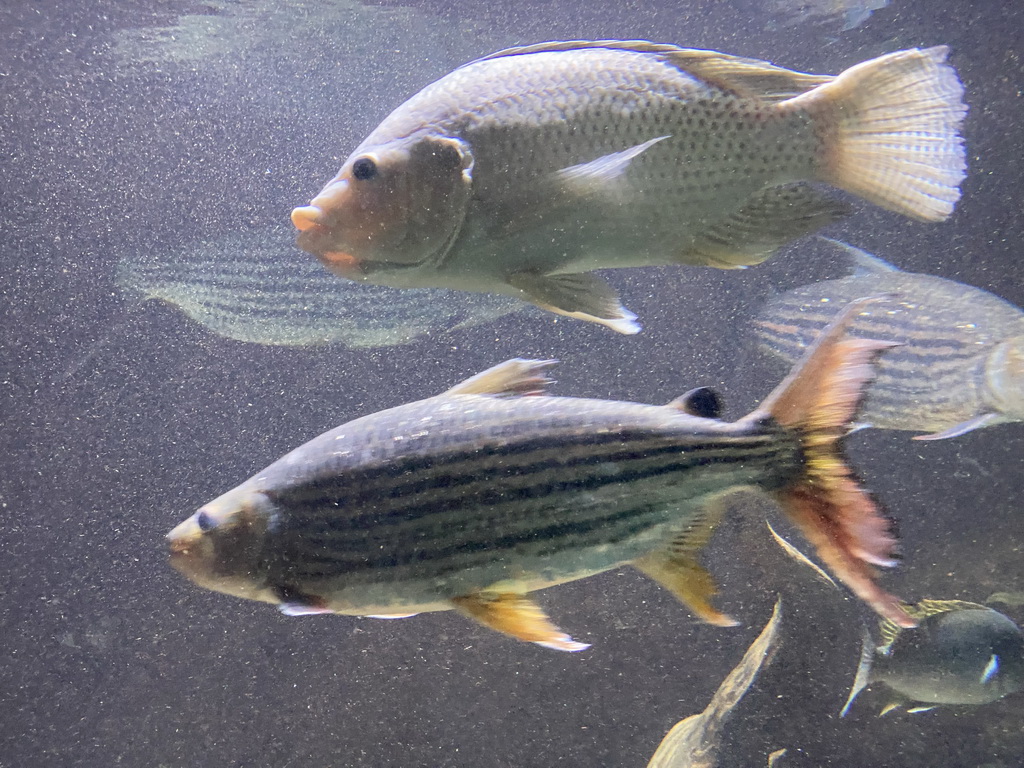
{"x":960,"y":365}
{"x":960,"y":653}
{"x":524,"y":171}
{"x":471,"y":499}
{"x":695,"y":741}
{"x":256,"y":287}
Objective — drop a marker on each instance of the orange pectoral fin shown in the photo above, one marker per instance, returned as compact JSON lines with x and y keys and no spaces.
{"x":517,"y":616}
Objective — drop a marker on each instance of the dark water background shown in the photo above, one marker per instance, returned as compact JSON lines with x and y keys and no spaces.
{"x":118,"y":421}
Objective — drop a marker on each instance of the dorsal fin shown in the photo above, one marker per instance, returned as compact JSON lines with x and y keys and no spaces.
{"x":513,"y":377}
{"x":743,"y":77}
{"x":702,"y":401}
{"x":921,"y":610}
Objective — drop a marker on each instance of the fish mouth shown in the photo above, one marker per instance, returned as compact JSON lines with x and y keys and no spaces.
{"x":183,"y":544}
{"x":313,"y":238}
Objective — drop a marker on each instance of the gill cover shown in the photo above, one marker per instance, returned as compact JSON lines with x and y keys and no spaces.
{"x":1004,"y":375}
{"x":399,"y":206}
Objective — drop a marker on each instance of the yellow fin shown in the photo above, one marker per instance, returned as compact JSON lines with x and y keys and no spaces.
{"x":766,"y":222}
{"x":891,"y":132}
{"x":517,"y":616}
{"x":675,"y":567}
{"x":513,"y":377}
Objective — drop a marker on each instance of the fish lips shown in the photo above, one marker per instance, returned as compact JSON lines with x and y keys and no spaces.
{"x":187,"y":547}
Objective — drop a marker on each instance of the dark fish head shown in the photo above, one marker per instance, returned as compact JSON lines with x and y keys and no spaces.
{"x":220,"y":547}
{"x":967,"y":656}
{"x":392,"y":206}
{"x":1004,"y":376}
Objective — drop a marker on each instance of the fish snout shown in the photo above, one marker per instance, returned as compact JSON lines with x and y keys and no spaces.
{"x":313,"y":217}
{"x":306,"y":217}
{"x":184,"y":541}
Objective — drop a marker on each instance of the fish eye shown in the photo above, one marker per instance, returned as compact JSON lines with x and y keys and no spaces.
{"x":205,"y":521}
{"x":364,"y":168}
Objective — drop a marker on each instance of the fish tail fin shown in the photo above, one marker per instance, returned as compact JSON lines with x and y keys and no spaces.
{"x":863,"y":677}
{"x":890,"y":129}
{"x":818,"y":402}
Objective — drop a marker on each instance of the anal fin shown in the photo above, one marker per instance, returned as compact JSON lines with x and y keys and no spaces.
{"x":517,"y":616}
{"x":583,"y":296}
{"x":675,"y":567}
{"x":765,"y":223}
{"x":962,"y":428}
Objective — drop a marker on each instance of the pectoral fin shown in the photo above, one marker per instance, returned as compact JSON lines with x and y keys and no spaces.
{"x":603,"y":177}
{"x":513,"y":377}
{"x":766,"y":222}
{"x":962,"y":428}
{"x":517,"y":616}
{"x":295,"y":603}
{"x":675,"y":567}
{"x":584,"y":296}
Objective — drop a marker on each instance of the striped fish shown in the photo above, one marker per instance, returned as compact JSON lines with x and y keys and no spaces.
{"x":471,"y":499}
{"x":256,"y":287}
{"x":960,"y":363}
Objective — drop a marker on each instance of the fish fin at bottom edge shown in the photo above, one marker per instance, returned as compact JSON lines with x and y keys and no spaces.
{"x":962,"y":428}
{"x":583,"y":296}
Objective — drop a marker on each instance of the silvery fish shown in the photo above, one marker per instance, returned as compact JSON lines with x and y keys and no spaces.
{"x":960,"y":365}
{"x":255,"y":287}
{"x":522,"y":172}
{"x":852,"y":13}
{"x":960,"y":653}
{"x":695,"y":741}
{"x":472,"y":499}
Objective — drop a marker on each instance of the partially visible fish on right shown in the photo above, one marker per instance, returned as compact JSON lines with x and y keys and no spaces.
{"x":960,"y":653}
{"x":960,"y":365}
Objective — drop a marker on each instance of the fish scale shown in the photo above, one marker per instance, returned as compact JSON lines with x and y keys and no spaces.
{"x":471,"y":499}
{"x":524,"y":172}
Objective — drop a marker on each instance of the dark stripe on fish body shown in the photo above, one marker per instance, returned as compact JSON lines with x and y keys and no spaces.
{"x":548,"y":541}
{"x":525,"y":508}
{"x":430,"y":510}
{"x":789,"y":328}
{"x":416,"y":473}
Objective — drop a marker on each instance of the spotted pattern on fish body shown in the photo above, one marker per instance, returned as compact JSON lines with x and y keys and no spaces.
{"x":522,"y":172}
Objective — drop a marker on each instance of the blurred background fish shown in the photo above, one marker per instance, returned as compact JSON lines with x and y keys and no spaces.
{"x":960,"y":653}
{"x":847,"y":13}
{"x":695,"y":741}
{"x":257,"y":287}
{"x":961,"y":363}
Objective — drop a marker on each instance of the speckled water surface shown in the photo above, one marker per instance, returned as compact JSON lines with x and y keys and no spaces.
{"x":134,"y":128}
